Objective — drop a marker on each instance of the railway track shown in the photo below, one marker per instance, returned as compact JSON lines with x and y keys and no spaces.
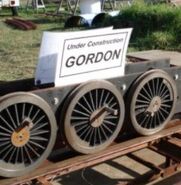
{"x":169,"y":137}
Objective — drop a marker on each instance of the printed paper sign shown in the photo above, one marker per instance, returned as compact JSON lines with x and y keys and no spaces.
{"x":71,"y":58}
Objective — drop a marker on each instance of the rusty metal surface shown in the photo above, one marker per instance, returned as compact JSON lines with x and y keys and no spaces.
{"x":52,"y":169}
{"x":21,"y":24}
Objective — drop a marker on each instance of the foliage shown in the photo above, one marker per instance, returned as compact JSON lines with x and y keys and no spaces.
{"x":154,"y":26}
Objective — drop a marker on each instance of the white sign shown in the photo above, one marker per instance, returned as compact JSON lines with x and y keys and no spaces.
{"x":74,"y":57}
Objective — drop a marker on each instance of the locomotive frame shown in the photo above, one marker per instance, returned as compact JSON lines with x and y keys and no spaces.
{"x":27,"y":146}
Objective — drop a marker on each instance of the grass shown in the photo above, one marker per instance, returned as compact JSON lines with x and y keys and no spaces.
{"x":19,"y":49}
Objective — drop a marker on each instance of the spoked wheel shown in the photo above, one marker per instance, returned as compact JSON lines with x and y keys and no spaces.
{"x":152,"y":102}
{"x":93,"y":117}
{"x":27,"y":133}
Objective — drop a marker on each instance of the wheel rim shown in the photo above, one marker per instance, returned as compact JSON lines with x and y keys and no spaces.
{"x":94,"y":116}
{"x":27,"y":131}
{"x":153,"y":102}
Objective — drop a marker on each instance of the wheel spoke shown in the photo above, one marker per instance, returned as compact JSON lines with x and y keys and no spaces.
{"x":140,"y":111}
{"x":142,"y":123}
{"x":153,"y":87}
{"x":107,"y":128}
{"x":101,"y":99}
{"x":110,"y":100}
{"x":82,"y":106}
{"x":99,"y":135}
{"x":12,"y":154}
{"x":4,"y":143}
{"x":97,"y":96}
{"x":82,"y":127}
{"x":9,"y":150}
{"x":6,"y":124}
{"x":88,"y":133}
{"x":39,"y":132}
{"x":162,"y":90}
{"x":113,"y":105}
{"x":22,"y":155}
{"x":150,"y":90}
{"x":36,"y":144}
{"x":4,"y":134}
{"x":160,"y":87}
{"x":5,"y":129}
{"x":79,"y":112}
{"x":164,"y":110}
{"x":146,"y":123}
{"x":95,"y":136}
{"x":5,"y":148}
{"x":147,"y":93}
{"x":103,"y":131}
{"x":79,"y":123}
{"x":4,"y":139}
{"x":87,"y":103}
{"x":105,"y":100}
{"x":165,"y":94}
{"x":35,"y":115}
{"x":167,"y":101}
{"x":23,"y":111}
{"x":38,"y":138}
{"x":143,"y":96}
{"x":142,"y":106}
{"x":92,"y":101}
{"x":157,"y":86}
{"x":17,"y":115}
{"x":40,"y":119}
{"x":12,"y":120}
{"x":79,"y":118}
{"x":166,"y":105}
{"x":38,"y":127}
{"x":109,"y":123}
{"x":142,"y":101}
{"x":17,"y":155}
{"x":85,"y":130}
{"x":91,"y":135}
{"x":30,"y":111}
{"x":111,"y":117}
{"x":27,"y":154}
{"x":161,"y":114}
{"x":32,"y":149}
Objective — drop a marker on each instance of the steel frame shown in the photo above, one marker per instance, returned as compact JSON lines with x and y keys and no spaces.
{"x":158,"y":142}
{"x":155,"y":142}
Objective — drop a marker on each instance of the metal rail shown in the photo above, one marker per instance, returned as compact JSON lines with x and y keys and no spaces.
{"x":159,"y":142}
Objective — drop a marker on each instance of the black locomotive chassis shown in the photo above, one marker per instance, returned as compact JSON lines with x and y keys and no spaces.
{"x":55,"y":96}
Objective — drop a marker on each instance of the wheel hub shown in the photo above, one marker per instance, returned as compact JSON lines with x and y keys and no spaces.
{"x":155,"y":105}
{"x":21,"y":135}
{"x":97,"y":117}
{"x":20,"y":138}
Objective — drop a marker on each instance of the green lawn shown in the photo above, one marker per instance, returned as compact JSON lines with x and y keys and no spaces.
{"x":19,"y":49}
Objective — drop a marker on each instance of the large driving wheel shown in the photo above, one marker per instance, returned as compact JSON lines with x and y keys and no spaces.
{"x":27,"y":131}
{"x":152,"y":102}
{"x":93,"y":117}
